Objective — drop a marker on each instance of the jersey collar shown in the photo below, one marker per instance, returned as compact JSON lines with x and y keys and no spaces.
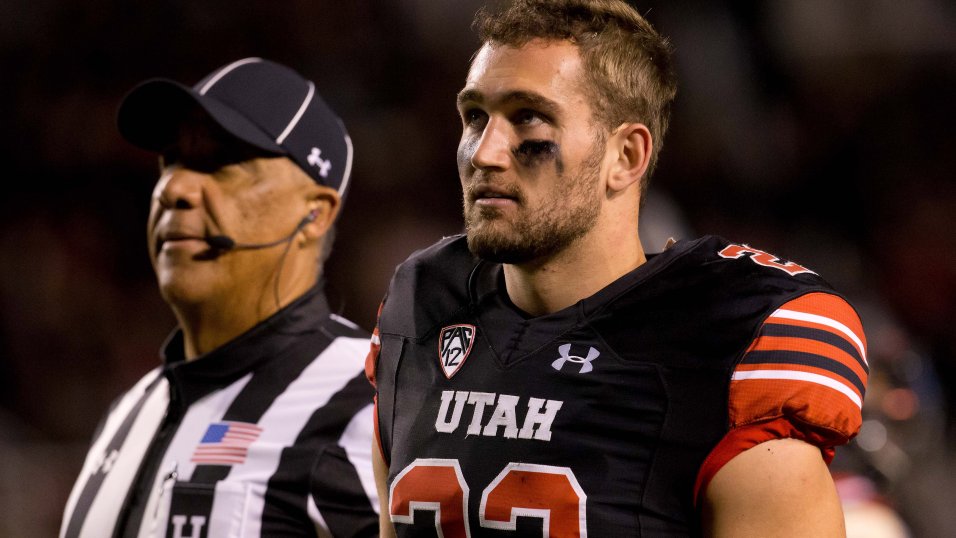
{"x":264,"y":342}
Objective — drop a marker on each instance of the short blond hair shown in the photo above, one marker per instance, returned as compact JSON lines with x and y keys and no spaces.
{"x":628,"y":68}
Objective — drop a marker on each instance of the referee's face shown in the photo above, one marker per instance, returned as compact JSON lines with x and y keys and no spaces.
{"x":213,"y":185}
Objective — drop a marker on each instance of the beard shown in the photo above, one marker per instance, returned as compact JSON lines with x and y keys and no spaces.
{"x":567,"y":213}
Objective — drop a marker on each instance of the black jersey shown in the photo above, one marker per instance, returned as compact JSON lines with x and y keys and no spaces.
{"x":267,"y":435}
{"x":605,"y":418}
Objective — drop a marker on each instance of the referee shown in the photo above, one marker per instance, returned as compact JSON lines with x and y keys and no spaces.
{"x":259,"y":420}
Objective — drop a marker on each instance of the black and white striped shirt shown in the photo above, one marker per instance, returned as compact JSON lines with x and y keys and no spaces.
{"x":268,"y":435}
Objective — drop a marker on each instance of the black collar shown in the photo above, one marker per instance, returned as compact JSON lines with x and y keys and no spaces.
{"x":515,"y":334}
{"x":261,"y":344}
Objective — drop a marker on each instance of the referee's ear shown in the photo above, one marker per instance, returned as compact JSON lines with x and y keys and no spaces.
{"x":324,"y":204}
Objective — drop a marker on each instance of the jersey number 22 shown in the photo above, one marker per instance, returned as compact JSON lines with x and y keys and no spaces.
{"x":520,"y":489}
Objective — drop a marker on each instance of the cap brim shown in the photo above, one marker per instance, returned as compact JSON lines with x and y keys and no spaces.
{"x":150,"y":115}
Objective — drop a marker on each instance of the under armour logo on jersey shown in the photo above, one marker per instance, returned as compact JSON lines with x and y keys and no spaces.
{"x":566,"y":356}
{"x":315,"y":159}
{"x":454,"y":345}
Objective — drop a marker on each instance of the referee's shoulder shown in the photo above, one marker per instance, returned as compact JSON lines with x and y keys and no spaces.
{"x":347,"y":348}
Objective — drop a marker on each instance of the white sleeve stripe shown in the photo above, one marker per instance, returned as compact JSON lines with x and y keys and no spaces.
{"x":800,"y":376}
{"x":821,"y":320}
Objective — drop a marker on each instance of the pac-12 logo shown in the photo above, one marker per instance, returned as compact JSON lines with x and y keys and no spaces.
{"x":454,"y":345}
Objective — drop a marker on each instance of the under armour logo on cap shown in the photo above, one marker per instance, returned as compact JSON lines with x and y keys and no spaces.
{"x":315,"y":159}
{"x":259,"y":102}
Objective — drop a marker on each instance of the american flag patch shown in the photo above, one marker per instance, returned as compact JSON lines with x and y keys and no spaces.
{"x":226,"y":443}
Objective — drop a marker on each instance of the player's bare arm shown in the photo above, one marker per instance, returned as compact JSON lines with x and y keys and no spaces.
{"x":385,"y":527}
{"x":777,"y":488}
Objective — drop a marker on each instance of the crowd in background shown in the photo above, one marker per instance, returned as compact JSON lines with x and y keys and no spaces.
{"x":820,"y":131}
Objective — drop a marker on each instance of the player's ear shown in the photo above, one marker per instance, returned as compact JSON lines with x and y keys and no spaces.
{"x":323,"y":203}
{"x":630,"y":147}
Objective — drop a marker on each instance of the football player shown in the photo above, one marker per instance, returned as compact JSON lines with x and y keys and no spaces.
{"x":543,"y":376}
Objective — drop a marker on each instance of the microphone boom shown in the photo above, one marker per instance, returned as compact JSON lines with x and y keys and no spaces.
{"x":224,"y":243}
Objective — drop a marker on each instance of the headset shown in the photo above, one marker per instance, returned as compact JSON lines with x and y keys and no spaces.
{"x":224,"y":243}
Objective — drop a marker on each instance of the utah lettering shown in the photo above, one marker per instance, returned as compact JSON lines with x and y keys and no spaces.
{"x":496,"y":414}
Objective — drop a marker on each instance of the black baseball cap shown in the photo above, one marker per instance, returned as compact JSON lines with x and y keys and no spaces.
{"x":260,"y":102}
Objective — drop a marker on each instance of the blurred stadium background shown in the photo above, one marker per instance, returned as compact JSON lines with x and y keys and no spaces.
{"x":819,"y":130}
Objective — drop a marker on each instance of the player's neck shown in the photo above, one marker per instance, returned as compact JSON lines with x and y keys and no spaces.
{"x":581,"y":270}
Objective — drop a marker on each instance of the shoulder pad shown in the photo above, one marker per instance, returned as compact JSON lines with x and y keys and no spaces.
{"x":428,"y":287}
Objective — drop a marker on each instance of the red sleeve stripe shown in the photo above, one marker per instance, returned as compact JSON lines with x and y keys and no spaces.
{"x":800,"y":376}
{"x":371,"y":360}
{"x":375,"y":347}
{"x":815,"y":319}
{"x":803,"y":377}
